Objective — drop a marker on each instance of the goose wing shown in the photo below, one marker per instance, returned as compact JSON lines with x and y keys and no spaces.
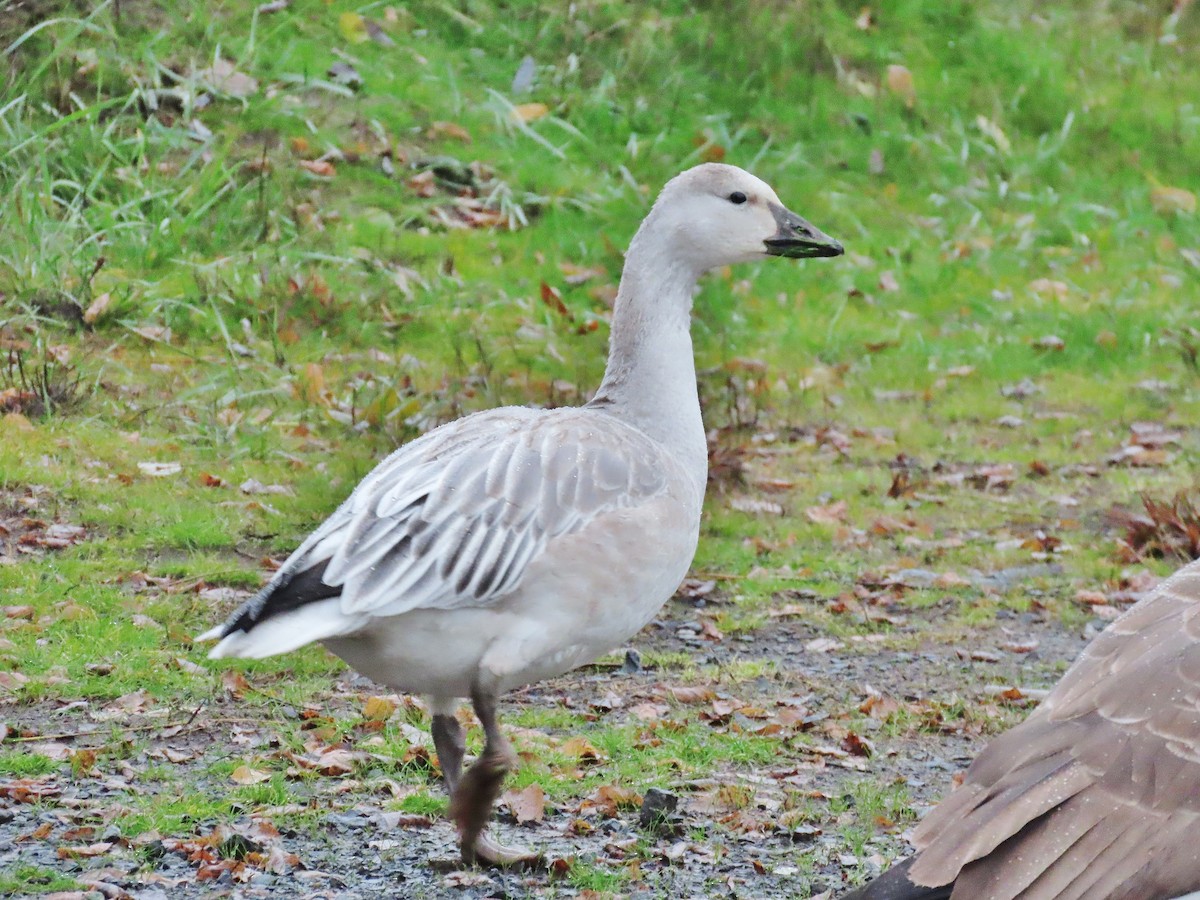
{"x":1097,"y":794}
{"x":455,"y":518}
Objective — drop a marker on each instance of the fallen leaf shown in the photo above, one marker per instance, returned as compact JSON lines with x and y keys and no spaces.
{"x":378,"y":709}
{"x":528,"y":805}
{"x":97,"y":308}
{"x":336,"y":762}
{"x":320,"y":167}
{"x":245,"y":775}
{"x":235,"y":683}
{"x":353,"y":28}
{"x":831,"y":514}
{"x":341,"y":72}
{"x":160,"y":469}
{"x":225,"y":79}
{"x":823,"y":645}
{"x":756,"y":506}
{"x":448,"y":129}
{"x":1050,"y":342}
{"x":84,"y":852}
{"x":692,"y":694}
{"x":529,"y":112}
{"x":900,"y":82}
{"x":581,"y":750}
{"x":552,"y":297}
{"x":1168,"y":200}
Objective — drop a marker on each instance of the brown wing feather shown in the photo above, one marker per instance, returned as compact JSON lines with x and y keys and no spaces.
{"x":1097,"y":794}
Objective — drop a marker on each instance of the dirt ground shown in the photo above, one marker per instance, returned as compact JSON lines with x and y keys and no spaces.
{"x":360,"y":851}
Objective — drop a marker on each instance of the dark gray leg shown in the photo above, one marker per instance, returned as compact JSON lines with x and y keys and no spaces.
{"x":450,"y":744}
{"x":473,"y":796}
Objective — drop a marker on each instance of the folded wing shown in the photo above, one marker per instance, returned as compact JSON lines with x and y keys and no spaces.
{"x":454,"y":519}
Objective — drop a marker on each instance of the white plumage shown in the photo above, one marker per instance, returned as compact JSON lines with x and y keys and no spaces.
{"x":515,"y":544}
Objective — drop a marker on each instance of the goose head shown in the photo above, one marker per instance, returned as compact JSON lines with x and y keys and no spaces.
{"x":714,"y":215}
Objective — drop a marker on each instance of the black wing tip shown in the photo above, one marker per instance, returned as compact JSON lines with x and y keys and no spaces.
{"x":291,"y":591}
{"x":895,"y":885}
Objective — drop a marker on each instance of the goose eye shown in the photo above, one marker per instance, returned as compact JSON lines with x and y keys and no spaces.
{"x":737,"y":197}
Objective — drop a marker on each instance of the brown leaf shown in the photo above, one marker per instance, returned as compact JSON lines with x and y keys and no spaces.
{"x":235,"y":683}
{"x":529,"y":112}
{"x":581,"y":750}
{"x":1167,"y":200}
{"x":857,"y":746}
{"x":900,"y":83}
{"x":97,"y":308}
{"x":756,"y":506}
{"x":320,"y":167}
{"x":337,"y":762}
{"x":86,"y":851}
{"x":831,"y":514}
{"x":378,"y":709}
{"x":245,"y":775}
{"x":448,"y":129}
{"x":528,"y":805}
{"x":692,"y":694}
{"x":609,"y":799}
{"x":553,"y":299}
{"x":38,"y":834}
{"x":224,"y":78}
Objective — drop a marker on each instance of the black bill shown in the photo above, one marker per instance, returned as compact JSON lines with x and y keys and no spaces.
{"x":799,"y":239}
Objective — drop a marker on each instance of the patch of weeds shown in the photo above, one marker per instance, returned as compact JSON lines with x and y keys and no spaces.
{"x":1168,"y":529}
{"x":39,"y":381}
{"x":22,"y":880}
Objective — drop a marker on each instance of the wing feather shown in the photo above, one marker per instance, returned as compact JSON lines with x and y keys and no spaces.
{"x":456,"y":517}
{"x":1097,"y":788}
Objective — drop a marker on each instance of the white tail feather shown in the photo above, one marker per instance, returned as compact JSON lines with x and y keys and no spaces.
{"x":285,"y":632}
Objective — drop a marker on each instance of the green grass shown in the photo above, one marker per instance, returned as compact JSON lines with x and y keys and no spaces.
{"x":255,"y":320}
{"x":23,"y":880}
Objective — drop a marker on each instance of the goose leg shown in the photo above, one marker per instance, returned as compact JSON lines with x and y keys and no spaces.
{"x":450,"y":744}
{"x":473,"y":796}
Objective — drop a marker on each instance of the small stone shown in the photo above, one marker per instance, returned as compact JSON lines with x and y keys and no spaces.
{"x":633,"y":662}
{"x":657,"y":805}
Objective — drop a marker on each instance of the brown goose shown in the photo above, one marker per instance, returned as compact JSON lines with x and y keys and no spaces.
{"x":1097,"y":794}
{"x":515,"y":544}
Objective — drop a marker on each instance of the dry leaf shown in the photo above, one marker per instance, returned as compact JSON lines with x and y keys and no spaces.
{"x":246,"y":775}
{"x":832,"y":514}
{"x":692,"y":694}
{"x":225,"y":79}
{"x":528,"y":805}
{"x":823,"y":645}
{"x":353,"y":28}
{"x":320,"y":167}
{"x":528,"y":112}
{"x":235,"y":683}
{"x":378,"y":709}
{"x":756,"y":506}
{"x":160,"y":469}
{"x":311,"y":384}
{"x":900,"y":82}
{"x":448,"y":129}
{"x":84,"y":852}
{"x":97,"y":308}
{"x":337,"y":762}
{"x":1167,"y":200}
{"x":581,"y":750}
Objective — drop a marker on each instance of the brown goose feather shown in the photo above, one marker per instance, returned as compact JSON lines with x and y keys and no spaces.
{"x":1097,"y":794}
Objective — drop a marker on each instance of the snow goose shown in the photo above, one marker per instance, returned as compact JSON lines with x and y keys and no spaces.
{"x":1097,"y":794}
{"x":515,"y":544}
